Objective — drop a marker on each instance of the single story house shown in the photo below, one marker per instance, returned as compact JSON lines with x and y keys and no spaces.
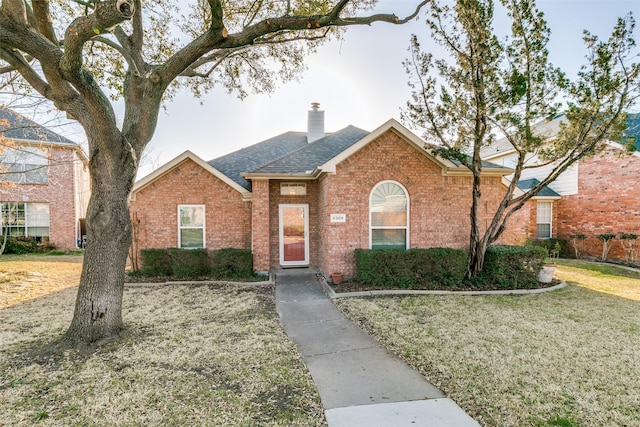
{"x":597,"y":195}
{"x":44,"y":182}
{"x":312,"y":198}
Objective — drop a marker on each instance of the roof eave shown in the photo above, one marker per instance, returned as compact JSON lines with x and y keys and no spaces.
{"x":546,"y":198}
{"x":465,"y":171}
{"x":54,"y":144}
{"x":304,"y":176}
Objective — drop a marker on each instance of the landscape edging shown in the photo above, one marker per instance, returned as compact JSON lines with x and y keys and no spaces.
{"x":333,"y":295}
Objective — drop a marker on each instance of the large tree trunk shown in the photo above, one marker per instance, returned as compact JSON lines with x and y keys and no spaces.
{"x":98,"y":310}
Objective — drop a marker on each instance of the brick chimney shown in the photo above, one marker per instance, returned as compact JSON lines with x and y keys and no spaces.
{"x":315,"y":123}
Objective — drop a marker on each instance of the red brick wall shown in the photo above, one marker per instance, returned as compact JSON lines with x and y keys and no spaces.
{"x":59,"y":193}
{"x":261,"y":219}
{"x":439,"y":205}
{"x":607,"y":201}
{"x":519,"y":226}
{"x":228,"y":218}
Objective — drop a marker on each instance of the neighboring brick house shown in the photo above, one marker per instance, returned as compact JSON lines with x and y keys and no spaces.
{"x":597,"y":195}
{"x":44,"y":182}
{"x":312,"y":198}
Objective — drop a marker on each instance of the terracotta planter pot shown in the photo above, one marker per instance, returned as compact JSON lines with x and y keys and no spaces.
{"x":336,"y":278}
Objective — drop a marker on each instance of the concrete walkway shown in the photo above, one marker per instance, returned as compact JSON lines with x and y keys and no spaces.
{"x":359,"y":382}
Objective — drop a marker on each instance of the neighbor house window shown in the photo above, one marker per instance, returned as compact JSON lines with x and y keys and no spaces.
{"x":24,"y":165}
{"x":191,"y":226}
{"x":25,"y":219}
{"x":543,"y":222}
{"x":389,"y":216}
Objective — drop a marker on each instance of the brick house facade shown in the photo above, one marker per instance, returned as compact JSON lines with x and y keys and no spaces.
{"x":297,"y":201}
{"x":607,"y":201}
{"x":45,"y":186}
{"x":595,"y":196}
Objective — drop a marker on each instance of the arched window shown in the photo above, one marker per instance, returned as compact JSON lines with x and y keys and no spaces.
{"x":389,"y":216}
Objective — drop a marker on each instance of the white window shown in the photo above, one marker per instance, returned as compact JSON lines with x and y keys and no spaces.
{"x":25,"y":219}
{"x":389,"y":216}
{"x":24,"y":165}
{"x":543,"y":221}
{"x":191,"y":226}
{"x":293,"y":189}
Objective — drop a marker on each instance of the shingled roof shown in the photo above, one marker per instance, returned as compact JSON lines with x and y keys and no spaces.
{"x":254,"y":156}
{"x":288,"y":153}
{"x":17,"y":127}
{"x":309,"y":157}
{"x":528,"y":184}
{"x":550,"y":128}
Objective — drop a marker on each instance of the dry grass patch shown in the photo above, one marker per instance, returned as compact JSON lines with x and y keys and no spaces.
{"x":567,"y":358}
{"x":193,"y":355}
{"x":601,"y":277}
{"x":26,"y":277}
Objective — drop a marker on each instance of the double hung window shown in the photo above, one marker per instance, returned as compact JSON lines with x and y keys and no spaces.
{"x":543,"y":221}
{"x":191,"y":226}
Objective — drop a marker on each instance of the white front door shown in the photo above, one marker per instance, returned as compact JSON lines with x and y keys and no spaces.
{"x":294,"y":234}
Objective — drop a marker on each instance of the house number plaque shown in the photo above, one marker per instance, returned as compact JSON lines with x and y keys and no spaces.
{"x":338,"y":217}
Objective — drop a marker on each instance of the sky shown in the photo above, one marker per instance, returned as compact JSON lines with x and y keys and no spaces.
{"x":359,"y":81}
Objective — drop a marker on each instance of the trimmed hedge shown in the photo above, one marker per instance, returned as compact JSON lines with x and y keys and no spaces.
{"x":430,"y":268}
{"x":225,"y":263}
{"x":232,"y":263}
{"x":26,"y":245}
{"x":512,"y":267}
{"x":506,"y":267}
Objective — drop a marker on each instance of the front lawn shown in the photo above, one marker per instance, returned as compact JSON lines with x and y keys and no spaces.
{"x":564,"y":358}
{"x":193,"y":355}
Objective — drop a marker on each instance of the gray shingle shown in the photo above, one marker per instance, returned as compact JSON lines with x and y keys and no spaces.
{"x":20,"y":128}
{"x":528,"y":184}
{"x":315,"y":154}
{"x":254,"y":156}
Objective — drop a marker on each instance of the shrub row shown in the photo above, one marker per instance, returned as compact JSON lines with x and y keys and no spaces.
{"x":506,"y":267}
{"x":228,"y":263}
{"x":512,"y":267}
{"x":26,"y":245}
{"x":430,"y":268}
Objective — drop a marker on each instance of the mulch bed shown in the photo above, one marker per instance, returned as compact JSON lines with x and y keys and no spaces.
{"x":355,"y":286}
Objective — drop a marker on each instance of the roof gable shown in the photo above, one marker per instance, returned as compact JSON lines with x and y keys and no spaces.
{"x":449,"y":167}
{"x":187,"y":155}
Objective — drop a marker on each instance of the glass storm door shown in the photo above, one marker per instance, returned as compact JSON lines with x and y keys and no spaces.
{"x":294,"y":234}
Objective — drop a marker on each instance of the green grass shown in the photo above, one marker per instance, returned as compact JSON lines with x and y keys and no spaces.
{"x":563,"y":358}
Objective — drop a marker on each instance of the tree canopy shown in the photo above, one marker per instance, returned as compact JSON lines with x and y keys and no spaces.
{"x":490,"y":87}
{"x":83,"y":54}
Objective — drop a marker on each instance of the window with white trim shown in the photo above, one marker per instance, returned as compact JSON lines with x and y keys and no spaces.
{"x":191,"y":223}
{"x":24,"y":165}
{"x":543,"y":221}
{"x":25,"y":219}
{"x":389,"y":216}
